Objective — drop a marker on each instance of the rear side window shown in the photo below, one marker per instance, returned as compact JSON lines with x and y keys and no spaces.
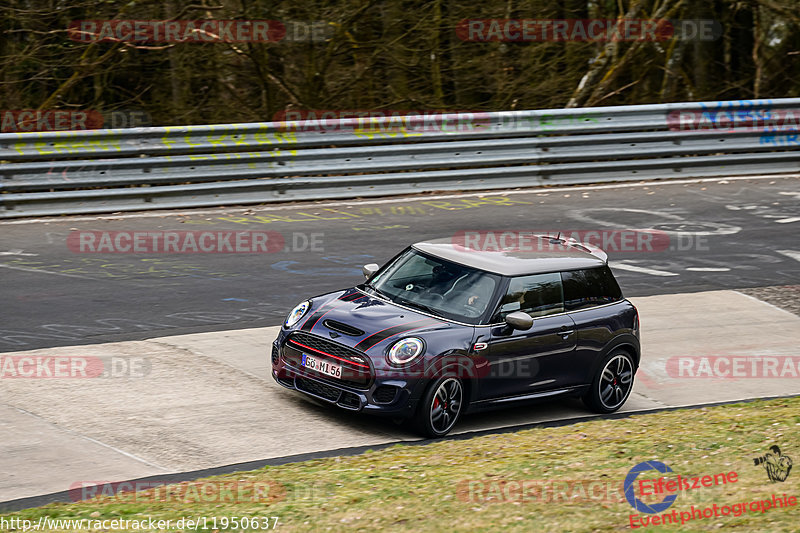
{"x":589,"y":288}
{"x":537,"y":295}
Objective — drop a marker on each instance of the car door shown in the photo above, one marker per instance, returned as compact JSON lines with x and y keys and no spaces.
{"x":535,"y":360}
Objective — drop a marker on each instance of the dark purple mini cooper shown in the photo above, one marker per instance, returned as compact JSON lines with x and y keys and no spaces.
{"x":441,"y":330}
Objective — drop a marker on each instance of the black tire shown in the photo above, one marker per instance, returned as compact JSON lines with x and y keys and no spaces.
{"x":440,"y":407}
{"x":613,"y":383}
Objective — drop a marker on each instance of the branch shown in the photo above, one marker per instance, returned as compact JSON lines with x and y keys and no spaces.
{"x":662,"y":12}
{"x":589,"y":80}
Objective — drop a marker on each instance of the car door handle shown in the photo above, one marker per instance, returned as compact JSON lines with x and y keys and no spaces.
{"x":566,"y":332}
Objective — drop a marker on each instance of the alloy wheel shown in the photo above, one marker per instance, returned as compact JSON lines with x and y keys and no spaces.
{"x":616,"y":381}
{"x":446,"y":405}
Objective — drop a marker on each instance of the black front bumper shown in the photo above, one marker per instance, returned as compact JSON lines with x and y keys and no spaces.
{"x":376,"y":395}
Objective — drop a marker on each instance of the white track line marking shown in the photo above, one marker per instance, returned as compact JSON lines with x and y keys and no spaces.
{"x":708,"y":269}
{"x":642,"y":270}
{"x":788,"y":220}
{"x":25,"y":269}
{"x":16,"y":251}
{"x":306,"y":205}
{"x":790,"y":253}
{"x":90,"y":439}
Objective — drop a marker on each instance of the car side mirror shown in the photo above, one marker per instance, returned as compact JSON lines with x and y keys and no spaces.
{"x":369,"y":270}
{"x":519,"y":320}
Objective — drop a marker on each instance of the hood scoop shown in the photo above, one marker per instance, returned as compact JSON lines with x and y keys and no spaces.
{"x":342,"y":328}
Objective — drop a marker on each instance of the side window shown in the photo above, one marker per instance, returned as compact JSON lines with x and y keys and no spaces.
{"x":537,"y":295}
{"x":589,"y":288}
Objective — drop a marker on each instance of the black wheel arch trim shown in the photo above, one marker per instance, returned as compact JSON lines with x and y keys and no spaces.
{"x":625,"y":340}
{"x":455,"y":360}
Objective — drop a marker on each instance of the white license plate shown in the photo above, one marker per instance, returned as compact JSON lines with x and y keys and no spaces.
{"x":323,"y":367}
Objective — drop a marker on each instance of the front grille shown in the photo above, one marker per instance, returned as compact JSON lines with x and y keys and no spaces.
{"x":343,"y":328}
{"x":317,"y":389}
{"x":384,"y":394}
{"x":350,"y":400}
{"x":333,"y":348}
{"x":353,"y":375}
{"x":275,"y":355}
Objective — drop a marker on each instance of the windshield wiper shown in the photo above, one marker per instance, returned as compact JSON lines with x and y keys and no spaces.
{"x":400,"y":299}
{"x":422,"y":307}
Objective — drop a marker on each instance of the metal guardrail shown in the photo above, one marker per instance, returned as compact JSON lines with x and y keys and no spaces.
{"x":191,"y":166}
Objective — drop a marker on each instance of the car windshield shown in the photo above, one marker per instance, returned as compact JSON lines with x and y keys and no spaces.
{"x":436,"y":286}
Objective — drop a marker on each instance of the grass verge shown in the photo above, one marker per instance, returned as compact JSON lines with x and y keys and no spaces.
{"x":544,"y":479}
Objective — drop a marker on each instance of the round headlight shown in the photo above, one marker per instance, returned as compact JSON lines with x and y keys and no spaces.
{"x":297,"y":313}
{"x":405,"y":350}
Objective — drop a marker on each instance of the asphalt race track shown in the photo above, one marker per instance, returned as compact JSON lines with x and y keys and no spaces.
{"x":723,"y":234}
{"x":173,"y":406}
{"x":198,"y":322}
